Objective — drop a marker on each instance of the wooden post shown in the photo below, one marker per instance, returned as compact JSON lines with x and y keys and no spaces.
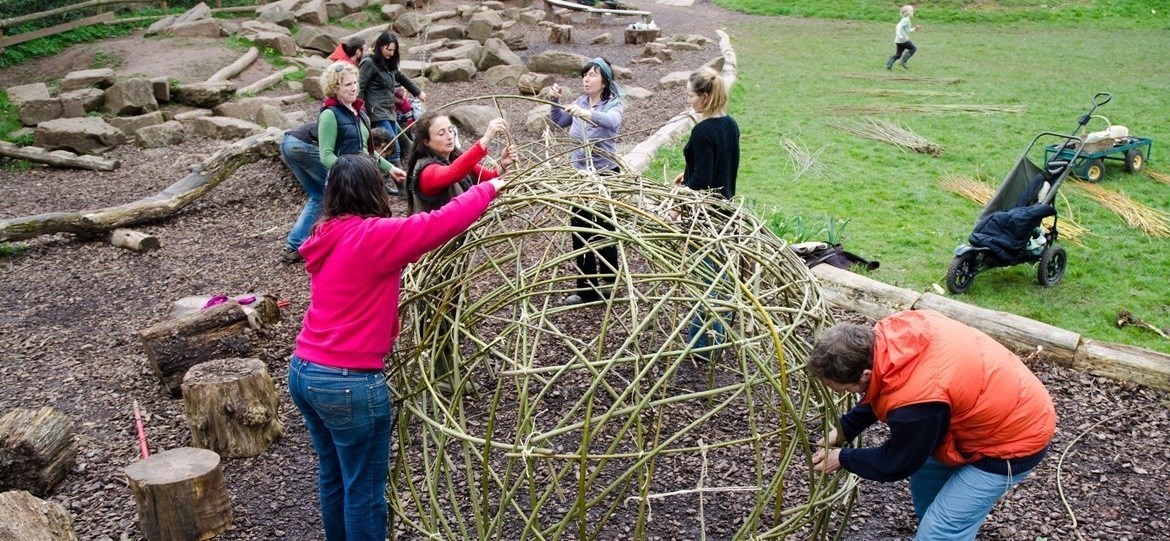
{"x":37,"y":449}
{"x":231,"y":407}
{"x":28,"y":517}
{"x":165,"y":9}
{"x":181,"y":495}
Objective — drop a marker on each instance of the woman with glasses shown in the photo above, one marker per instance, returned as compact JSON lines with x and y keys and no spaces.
{"x":355,"y":258}
{"x":342,"y":129}
{"x":378,"y":81}
{"x":593,"y":119}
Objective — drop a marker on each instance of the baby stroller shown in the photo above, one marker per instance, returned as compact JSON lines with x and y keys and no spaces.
{"x":1009,"y":231}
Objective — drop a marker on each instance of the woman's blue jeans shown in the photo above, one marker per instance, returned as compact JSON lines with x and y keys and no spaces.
{"x":305,"y":162}
{"x":348,"y":415}
{"x":951,"y":503}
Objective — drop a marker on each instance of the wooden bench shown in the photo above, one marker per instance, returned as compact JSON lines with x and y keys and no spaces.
{"x":596,"y":13}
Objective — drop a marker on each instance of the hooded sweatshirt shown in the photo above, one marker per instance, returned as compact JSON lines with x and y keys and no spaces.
{"x":355,"y":269}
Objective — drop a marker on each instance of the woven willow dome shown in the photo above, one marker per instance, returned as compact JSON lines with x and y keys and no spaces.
{"x":600,"y":421}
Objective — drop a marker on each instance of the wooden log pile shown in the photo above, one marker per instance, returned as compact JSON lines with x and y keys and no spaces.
{"x":222,"y":331}
{"x":37,"y":449}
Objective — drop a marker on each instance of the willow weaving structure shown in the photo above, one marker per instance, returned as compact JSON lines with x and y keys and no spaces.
{"x":609,"y":420}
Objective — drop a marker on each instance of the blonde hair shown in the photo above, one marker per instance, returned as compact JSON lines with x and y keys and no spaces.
{"x":907,"y":10}
{"x":707,"y":82}
{"x":331,"y":79}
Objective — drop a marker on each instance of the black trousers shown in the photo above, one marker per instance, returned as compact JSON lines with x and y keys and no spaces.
{"x":899,"y":48}
{"x":588,"y":263}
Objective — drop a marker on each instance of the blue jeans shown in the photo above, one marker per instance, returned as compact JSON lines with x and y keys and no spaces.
{"x":951,"y":503}
{"x":305,"y":162}
{"x":348,"y":415}
{"x":705,"y":329}
{"x":391,"y":127}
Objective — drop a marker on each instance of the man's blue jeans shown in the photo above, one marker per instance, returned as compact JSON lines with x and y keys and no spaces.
{"x":392,"y":127}
{"x":305,"y":162}
{"x":348,"y":415}
{"x":951,"y":503}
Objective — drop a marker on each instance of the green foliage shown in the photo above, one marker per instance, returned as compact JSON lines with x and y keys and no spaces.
{"x":1114,"y":13}
{"x":9,"y":117}
{"x":102,"y":59}
{"x":897,"y":211}
{"x":51,"y":45}
{"x":10,"y":250}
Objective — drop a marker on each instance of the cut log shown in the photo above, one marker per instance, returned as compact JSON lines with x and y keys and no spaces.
{"x":135,"y":241}
{"x":222,"y":331}
{"x":164,"y":204}
{"x":61,"y":159}
{"x":237,"y":67}
{"x":181,"y":495}
{"x":1124,"y":363}
{"x":263,"y":84}
{"x":231,"y":407}
{"x":1018,"y":333}
{"x":560,"y":33}
{"x":37,"y":449}
{"x":641,"y":37}
{"x":28,"y":518}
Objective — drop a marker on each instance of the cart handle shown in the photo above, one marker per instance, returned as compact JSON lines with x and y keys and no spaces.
{"x":1099,"y":99}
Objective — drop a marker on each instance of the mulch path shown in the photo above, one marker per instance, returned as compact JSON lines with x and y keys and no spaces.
{"x":70,"y":308}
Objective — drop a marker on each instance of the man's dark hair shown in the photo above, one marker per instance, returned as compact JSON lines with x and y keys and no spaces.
{"x":355,"y":188}
{"x":842,"y":353}
{"x":353,"y":44}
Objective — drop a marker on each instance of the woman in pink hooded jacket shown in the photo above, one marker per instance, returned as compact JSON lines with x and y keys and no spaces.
{"x":355,"y":257}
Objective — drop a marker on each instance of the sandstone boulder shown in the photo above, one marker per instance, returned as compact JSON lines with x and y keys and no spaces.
{"x":99,"y":78}
{"x":206,"y":94}
{"x":130,"y":97}
{"x":483,"y":24}
{"x":204,"y":28}
{"x":22,"y":93}
{"x":508,"y":75}
{"x":312,"y":12}
{"x":530,"y":83}
{"x":36,"y":111}
{"x":78,"y":102}
{"x":472,"y":119}
{"x":85,"y":135}
{"x":557,"y":62}
{"x":162,"y":135}
{"x":221,"y":127}
{"x":131,"y":124}
{"x":496,"y":53}
{"x":454,"y":70}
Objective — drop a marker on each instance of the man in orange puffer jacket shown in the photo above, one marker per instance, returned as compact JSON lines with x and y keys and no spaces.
{"x":967,"y":419}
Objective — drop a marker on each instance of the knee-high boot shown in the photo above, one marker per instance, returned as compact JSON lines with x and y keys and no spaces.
{"x":906,"y":58}
{"x":890,"y":62}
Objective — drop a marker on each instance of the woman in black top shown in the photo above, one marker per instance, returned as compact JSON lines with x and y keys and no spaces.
{"x":378,"y":78}
{"x":712,"y":162}
{"x":712,"y":152}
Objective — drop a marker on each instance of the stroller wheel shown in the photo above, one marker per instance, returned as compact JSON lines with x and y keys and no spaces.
{"x":1050,"y":269}
{"x":961,"y":273}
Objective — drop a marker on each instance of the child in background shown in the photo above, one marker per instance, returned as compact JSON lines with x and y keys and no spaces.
{"x":383,"y":144}
{"x":902,"y":41}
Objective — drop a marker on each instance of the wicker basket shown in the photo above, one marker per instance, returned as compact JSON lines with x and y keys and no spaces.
{"x":1099,"y":145}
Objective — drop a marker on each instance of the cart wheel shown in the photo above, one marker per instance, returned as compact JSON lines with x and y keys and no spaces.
{"x":1051,"y":267}
{"x":961,"y":273}
{"x":1095,"y":170}
{"x":1134,"y":161}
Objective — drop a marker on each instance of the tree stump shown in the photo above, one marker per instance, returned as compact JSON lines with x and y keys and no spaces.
{"x":560,"y":33}
{"x":28,"y":518}
{"x":37,"y":449}
{"x":641,"y":36}
{"x":231,"y":407}
{"x":222,"y":331}
{"x":181,"y":495}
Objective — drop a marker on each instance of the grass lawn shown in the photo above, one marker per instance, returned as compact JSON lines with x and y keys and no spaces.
{"x":794,"y":78}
